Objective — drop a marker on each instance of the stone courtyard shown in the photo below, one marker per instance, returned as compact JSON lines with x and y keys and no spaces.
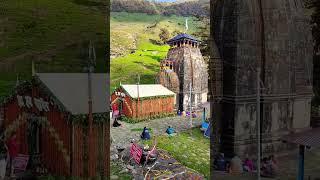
{"x":122,"y":136}
{"x":166,"y":167}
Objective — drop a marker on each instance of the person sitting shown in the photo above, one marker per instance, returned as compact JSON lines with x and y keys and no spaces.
{"x":116,"y":123}
{"x":220,"y":162}
{"x":145,"y":134}
{"x":248,"y":165}
{"x":267,"y":169}
{"x":235,"y":165}
{"x":194,"y":114}
{"x":170,"y":131}
{"x":274,"y":164}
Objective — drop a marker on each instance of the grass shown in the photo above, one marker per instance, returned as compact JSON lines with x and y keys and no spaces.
{"x":141,"y":129}
{"x":190,"y":148}
{"x":54,"y":34}
{"x":132,"y":42}
{"x":116,"y":170}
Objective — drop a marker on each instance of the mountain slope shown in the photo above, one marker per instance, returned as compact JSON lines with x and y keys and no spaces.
{"x":179,"y":8}
{"x":54,"y":34}
{"x":134,"y":45}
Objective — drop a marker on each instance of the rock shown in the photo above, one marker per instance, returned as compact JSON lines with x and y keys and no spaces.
{"x":124,"y":171}
{"x":114,"y":157}
{"x":130,"y":167}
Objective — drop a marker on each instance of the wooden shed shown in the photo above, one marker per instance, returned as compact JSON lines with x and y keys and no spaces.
{"x":50,"y":117}
{"x":143,"y":101}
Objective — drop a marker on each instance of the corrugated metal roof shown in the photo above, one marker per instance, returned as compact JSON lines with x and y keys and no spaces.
{"x":183,"y":36}
{"x":71,"y":89}
{"x":147,"y":90}
{"x":309,"y":138}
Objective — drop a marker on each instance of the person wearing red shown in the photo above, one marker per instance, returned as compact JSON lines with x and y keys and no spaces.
{"x":12,"y":145}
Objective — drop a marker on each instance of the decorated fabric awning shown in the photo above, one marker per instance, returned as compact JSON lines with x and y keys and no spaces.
{"x":309,"y":138}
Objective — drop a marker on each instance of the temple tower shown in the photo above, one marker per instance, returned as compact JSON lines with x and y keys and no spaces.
{"x":272,"y":35}
{"x":184,"y":64}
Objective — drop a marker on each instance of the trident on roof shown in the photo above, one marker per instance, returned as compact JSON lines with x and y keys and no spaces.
{"x":186,"y":25}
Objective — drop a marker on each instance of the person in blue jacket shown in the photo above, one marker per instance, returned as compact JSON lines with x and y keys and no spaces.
{"x":170,"y":131}
{"x":145,"y":134}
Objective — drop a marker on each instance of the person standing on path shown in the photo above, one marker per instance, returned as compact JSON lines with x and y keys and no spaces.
{"x":3,"y":156}
{"x":12,"y":145}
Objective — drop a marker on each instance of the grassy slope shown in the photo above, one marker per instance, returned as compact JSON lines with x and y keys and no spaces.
{"x":58,"y":29}
{"x":129,"y":31}
{"x":191,"y":150}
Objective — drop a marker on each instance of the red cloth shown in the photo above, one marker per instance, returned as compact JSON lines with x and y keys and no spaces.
{"x":114,"y":107}
{"x":12,"y":147}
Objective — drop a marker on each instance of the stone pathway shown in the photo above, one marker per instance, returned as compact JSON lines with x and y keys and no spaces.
{"x":166,"y":167}
{"x":122,"y":136}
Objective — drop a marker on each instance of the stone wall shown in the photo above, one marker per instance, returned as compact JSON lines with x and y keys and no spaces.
{"x":273,"y":36}
{"x":190,"y":68}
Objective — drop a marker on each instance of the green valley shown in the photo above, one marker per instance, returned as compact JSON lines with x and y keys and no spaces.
{"x":53,"y":34}
{"x":135,"y":47}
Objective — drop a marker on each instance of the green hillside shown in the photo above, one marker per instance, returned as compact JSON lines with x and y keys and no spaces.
{"x":55,"y":34}
{"x":132,"y":45}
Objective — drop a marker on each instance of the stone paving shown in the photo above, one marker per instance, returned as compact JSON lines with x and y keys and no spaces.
{"x":166,"y":167}
{"x":122,"y":136}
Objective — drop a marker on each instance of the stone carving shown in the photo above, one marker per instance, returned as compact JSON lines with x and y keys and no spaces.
{"x":272,"y":35}
{"x":185,"y":65}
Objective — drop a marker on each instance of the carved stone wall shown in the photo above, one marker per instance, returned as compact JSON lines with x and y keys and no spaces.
{"x":190,"y":68}
{"x":273,"y":35}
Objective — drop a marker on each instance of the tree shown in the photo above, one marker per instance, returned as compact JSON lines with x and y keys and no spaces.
{"x":203,"y":34}
{"x":164,"y":35}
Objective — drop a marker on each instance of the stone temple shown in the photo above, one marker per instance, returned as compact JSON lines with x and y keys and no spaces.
{"x":183,"y":67}
{"x":273,"y":35}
